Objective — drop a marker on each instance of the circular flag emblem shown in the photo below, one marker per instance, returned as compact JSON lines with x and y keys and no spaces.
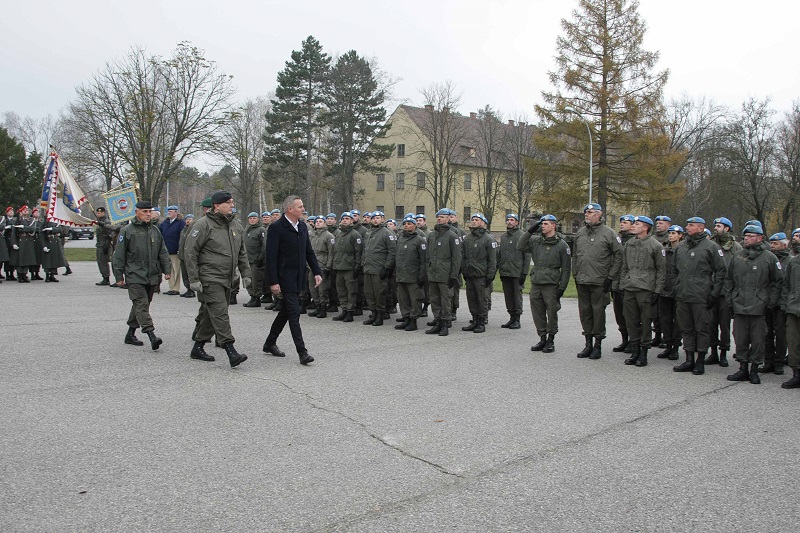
{"x":123,"y":204}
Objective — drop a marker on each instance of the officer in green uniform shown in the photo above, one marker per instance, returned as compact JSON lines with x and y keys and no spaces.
{"x":513,"y":266}
{"x":444,"y":266}
{"x":103,"y":233}
{"x":617,"y":294}
{"x":661,"y":234}
{"x":775,"y":347}
{"x":698,"y":271}
{"x":255,"y":237}
{"x":333,"y":297}
{"x":479,"y":269}
{"x":666,"y":301}
{"x":422,"y":229}
{"x":53,"y":252}
{"x":322,"y":242}
{"x":214,"y":252}
{"x":376,"y":262}
{"x":140,"y":258}
{"x":596,"y":264}
{"x":411,"y":273}
{"x":790,"y":303}
{"x":452,"y":220}
{"x":549,"y":278}
{"x":720,"y":314}
{"x":642,"y":279}
{"x":347,"y":252}
{"x":752,"y":289}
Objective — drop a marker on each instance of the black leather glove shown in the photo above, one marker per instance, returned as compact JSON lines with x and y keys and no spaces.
{"x":423,"y":280}
{"x":487,"y":281}
{"x":384,"y":273}
{"x":607,"y":285}
{"x":535,"y":227}
{"x":522,"y":281}
{"x":451,"y":283}
{"x":560,"y":293}
{"x":654,"y":298}
{"x":710,"y":302}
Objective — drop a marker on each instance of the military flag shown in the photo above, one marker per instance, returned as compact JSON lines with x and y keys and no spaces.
{"x":62,"y":197}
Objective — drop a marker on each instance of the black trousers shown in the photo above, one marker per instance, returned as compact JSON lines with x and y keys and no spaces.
{"x":775,"y":348}
{"x":512,"y":294}
{"x":290,"y":312}
{"x":669,"y":321}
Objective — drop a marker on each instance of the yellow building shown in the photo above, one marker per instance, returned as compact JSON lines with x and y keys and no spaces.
{"x":456,"y":145}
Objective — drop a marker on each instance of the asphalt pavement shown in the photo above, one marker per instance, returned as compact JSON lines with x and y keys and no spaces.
{"x":386,"y":431}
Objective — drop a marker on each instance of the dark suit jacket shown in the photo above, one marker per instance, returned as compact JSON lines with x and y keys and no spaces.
{"x":286,"y":255}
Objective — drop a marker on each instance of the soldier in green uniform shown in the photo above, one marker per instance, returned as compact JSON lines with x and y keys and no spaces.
{"x":513,"y":265}
{"x":661,"y":234}
{"x":214,"y":252}
{"x":720,"y":314}
{"x":376,"y":263}
{"x":444,"y":266}
{"x":255,"y":237}
{"x":452,"y":220}
{"x":422,"y":229}
{"x":775,"y":347}
{"x":189,"y":219}
{"x":596,"y":264}
{"x":411,"y":274}
{"x":790,"y":303}
{"x":53,"y":252}
{"x":24,"y":236}
{"x":346,"y":264}
{"x":666,"y":302}
{"x":103,"y":234}
{"x":333,"y":297}
{"x":549,"y":278}
{"x":617,"y":294}
{"x":642,"y":279}
{"x":322,"y":242}
{"x":479,"y":269}
{"x":140,"y":258}
{"x":698,"y":271}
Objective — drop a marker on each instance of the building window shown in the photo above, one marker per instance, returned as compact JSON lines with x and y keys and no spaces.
{"x":401,"y":150}
{"x":420,"y":180}
{"x":399,"y":212}
{"x":467,"y":182}
{"x":420,"y":209}
{"x":467,"y":215}
{"x":379,"y":208}
{"x":400,"y":181}
{"x":381,"y":181}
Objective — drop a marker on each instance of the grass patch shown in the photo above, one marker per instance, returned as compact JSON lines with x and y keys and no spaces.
{"x":79,"y":254}
{"x":571,"y":291}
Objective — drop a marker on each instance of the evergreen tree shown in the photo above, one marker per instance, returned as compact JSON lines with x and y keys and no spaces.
{"x":356,"y":118}
{"x":21,"y":177}
{"x":295,"y":121}
{"x":605,"y":75}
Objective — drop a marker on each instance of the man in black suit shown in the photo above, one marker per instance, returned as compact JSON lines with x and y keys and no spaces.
{"x":287,"y":252}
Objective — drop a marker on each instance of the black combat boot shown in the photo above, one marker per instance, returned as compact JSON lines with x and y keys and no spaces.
{"x":313,"y":312}
{"x":312,"y":305}
{"x":597,"y":351}
{"x":657,"y":339}
{"x":550,"y":345}
{"x":666,"y":353}
{"x":778,"y":364}
{"x":234,"y":357}
{"x":47,"y":277}
{"x":480,"y":327}
{"x":199,"y":353}
{"x":508,"y":324}
{"x":755,"y":379}
{"x":341,"y":316}
{"x":189,"y":294}
{"x":437,"y":326}
{"x":766,"y":368}
{"x":103,"y":281}
{"x":36,"y":277}
{"x":699,"y":365}
{"x":634,"y":356}
{"x":53,"y":277}
{"x":370,"y":319}
{"x":674,"y":355}
{"x":723,"y":359}
{"x":687,"y":365}
{"x":412,"y":325}
{"x":378,"y":319}
{"x":332,"y":308}
{"x":270,"y":306}
{"x":587,"y":350}
{"x":445,"y":329}
{"x":155,"y":342}
{"x":743,"y":374}
{"x":793,"y":383}
{"x":431,"y":322}
{"x":515,"y":322}
{"x":359,"y":311}
{"x":624,"y":344}
{"x":539,"y":346}
{"x":321,"y":313}
{"x":348,"y":317}
{"x":130,"y":338}
{"x":68,"y":271}
{"x":403,"y":324}
{"x":642,"y":360}
{"x":712,"y":359}
{"x":254,"y":302}
{"x":472,"y":324}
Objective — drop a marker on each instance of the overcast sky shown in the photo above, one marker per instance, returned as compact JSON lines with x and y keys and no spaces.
{"x":497,"y":52}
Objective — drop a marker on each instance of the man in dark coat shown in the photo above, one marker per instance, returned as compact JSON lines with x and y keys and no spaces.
{"x":287,"y":253}
{"x":171,"y":229}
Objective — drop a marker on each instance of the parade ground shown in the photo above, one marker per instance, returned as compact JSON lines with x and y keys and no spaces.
{"x":386,"y":431}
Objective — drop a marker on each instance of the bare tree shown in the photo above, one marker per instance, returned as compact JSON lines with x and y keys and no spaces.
{"x":689,"y":124}
{"x":491,"y":157}
{"x":788,"y":165}
{"x":36,"y":135}
{"x":520,"y":147}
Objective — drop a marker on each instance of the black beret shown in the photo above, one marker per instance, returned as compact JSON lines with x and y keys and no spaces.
{"x":220,"y":197}
{"x":103,"y":209}
{"x":144,"y":204}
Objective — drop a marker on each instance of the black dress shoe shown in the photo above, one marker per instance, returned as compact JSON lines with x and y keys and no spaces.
{"x":305,"y":358}
{"x":274,"y":350}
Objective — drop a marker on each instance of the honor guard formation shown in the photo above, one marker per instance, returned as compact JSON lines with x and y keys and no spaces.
{"x":672,"y":286}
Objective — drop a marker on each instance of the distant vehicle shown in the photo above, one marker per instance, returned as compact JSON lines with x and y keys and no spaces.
{"x":77,"y":233}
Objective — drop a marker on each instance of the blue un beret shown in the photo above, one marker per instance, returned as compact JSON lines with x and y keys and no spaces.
{"x":695,"y":220}
{"x":664,"y":218}
{"x":629,"y":218}
{"x":643,"y":218}
{"x":676,"y":228}
{"x":778,"y":236}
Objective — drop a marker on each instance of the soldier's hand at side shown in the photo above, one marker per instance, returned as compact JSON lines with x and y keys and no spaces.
{"x":167,"y":276}
{"x":607,"y":285}
{"x":451,"y":283}
{"x":46,"y":249}
{"x":560,"y":293}
{"x":654,"y":298}
{"x":384,"y":273}
{"x":196,"y":287}
{"x":317,"y":280}
{"x":120,"y":283}
{"x":522,"y":281}
{"x":711,"y":302}
{"x":487,"y":282}
{"x":16,"y":247}
{"x":423,"y":280}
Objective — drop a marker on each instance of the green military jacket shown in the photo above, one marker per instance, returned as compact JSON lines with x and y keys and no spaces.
{"x":411,"y":257}
{"x":790,"y":289}
{"x":643,"y":265}
{"x":215,"y":249}
{"x":511,"y":261}
{"x":598,"y":255}
{"x":140,"y":254}
{"x":380,"y":248}
{"x":662,"y":237}
{"x":103,"y":232}
{"x":182,"y":241}
{"x":753,"y":281}
{"x":360,"y":228}
{"x":698,"y":270}
{"x":322,"y":242}
{"x":669,"y":280}
{"x":444,"y":254}
{"x":728,"y":245}
{"x":255,"y":238}
{"x":480,"y":254}
{"x":624,"y":237}
{"x":348,"y":249}
{"x":551,"y":258}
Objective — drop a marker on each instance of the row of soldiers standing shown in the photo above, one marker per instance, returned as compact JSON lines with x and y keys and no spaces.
{"x":30,"y":244}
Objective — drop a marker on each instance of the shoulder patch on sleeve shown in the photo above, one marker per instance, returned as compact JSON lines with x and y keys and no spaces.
{"x":121,"y":237}
{"x":423,"y":246}
{"x":195,"y":232}
{"x":358,"y":240}
{"x":333,"y":241}
{"x":392,"y":237}
{"x":719,"y":251}
{"x":569,"y":252}
{"x":778,"y":264}
{"x":664,"y":253}
{"x":494,"y":245}
{"x":619,"y":239}
{"x":458,"y":241}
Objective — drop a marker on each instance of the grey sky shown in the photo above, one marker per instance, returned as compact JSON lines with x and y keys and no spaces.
{"x":497,"y":52}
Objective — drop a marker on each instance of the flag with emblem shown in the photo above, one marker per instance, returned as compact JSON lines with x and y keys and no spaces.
{"x":62,"y":197}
